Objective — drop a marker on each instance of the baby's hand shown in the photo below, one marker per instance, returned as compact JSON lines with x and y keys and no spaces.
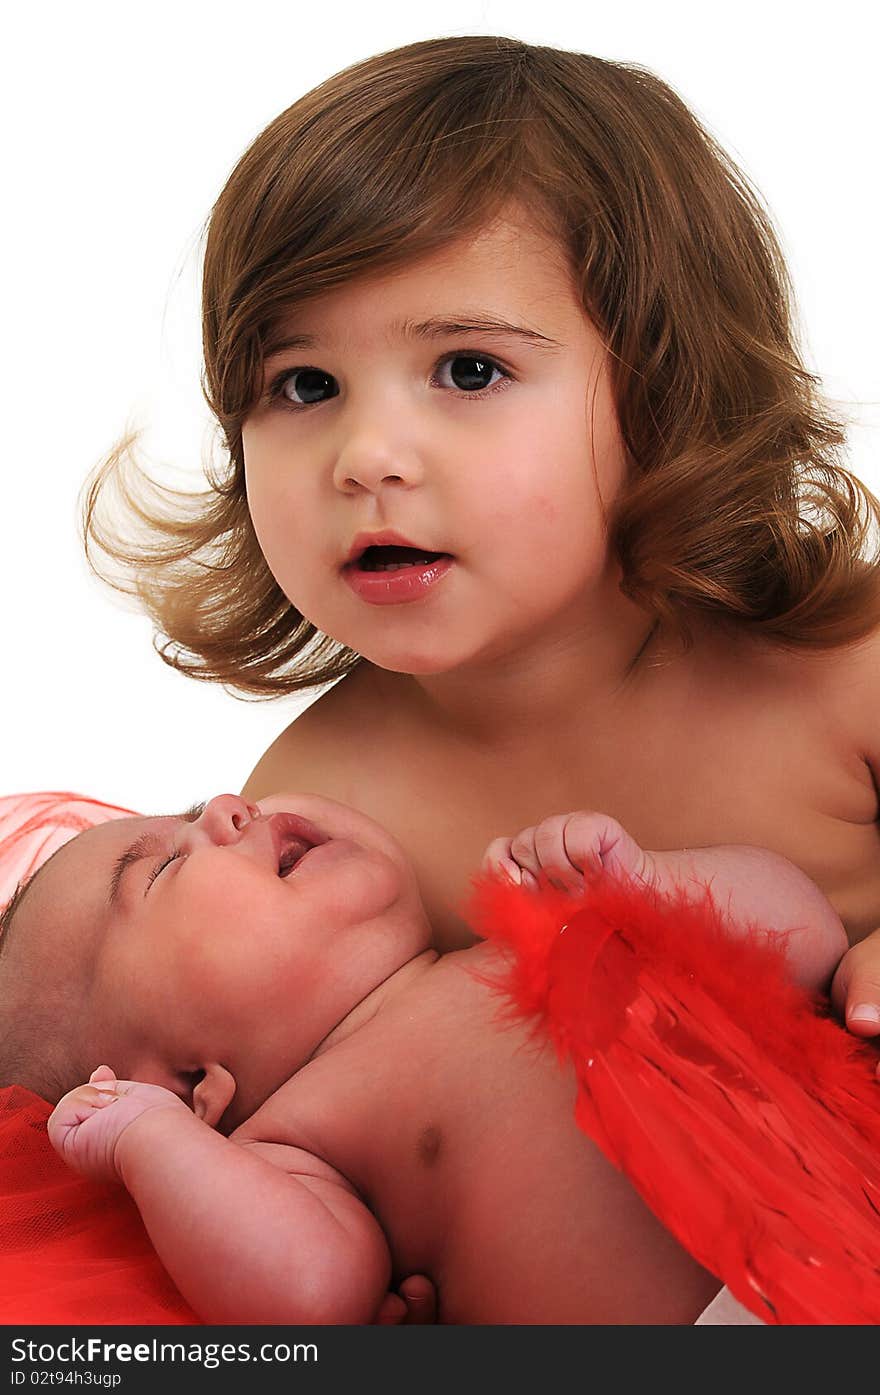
{"x":567,"y":846}
{"x":415,"y":1304}
{"x":87,"y":1124}
{"x":855,"y":989}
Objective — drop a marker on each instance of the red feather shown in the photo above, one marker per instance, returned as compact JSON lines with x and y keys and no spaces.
{"x":745,"y":1117}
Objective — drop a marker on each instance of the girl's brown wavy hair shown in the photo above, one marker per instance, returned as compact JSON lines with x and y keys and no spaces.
{"x":737,"y":502}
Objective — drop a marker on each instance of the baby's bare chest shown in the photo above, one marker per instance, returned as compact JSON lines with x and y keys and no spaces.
{"x":459,"y":1133}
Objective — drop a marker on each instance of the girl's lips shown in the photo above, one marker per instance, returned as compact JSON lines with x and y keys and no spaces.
{"x":386,"y":537}
{"x":397,"y":586}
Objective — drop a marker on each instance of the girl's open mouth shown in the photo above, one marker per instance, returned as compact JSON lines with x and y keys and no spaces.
{"x":391,"y":574}
{"x":394,"y":558}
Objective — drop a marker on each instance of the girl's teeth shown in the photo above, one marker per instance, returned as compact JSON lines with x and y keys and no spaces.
{"x":393,"y":559}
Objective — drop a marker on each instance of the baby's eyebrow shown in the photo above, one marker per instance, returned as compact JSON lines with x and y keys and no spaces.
{"x":437,"y":327}
{"x":146,"y":843}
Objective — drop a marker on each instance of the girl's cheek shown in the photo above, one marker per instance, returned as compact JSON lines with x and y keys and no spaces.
{"x":546,"y":509}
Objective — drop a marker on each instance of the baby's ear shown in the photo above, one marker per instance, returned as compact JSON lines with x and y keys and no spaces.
{"x":213,"y":1094}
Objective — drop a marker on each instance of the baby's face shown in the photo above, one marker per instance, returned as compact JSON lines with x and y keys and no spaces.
{"x":240,"y":934}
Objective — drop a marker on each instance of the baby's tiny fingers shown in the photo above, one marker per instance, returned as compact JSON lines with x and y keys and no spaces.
{"x":74,"y":1109}
{"x":524,"y":853}
{"x":101,"y":1073}
{"x":420,"y":1297}
{"x":83,"y":1102}
{"x":497,"y":859}
{"x":552,"y":852}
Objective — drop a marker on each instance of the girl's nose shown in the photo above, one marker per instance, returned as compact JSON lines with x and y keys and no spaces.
{"x":373,"y":463}
{"x":225,"y":818}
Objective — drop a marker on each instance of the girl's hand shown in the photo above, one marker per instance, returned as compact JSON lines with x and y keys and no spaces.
{"x":855,"y":988}
{"x":87,"y":1124}
{"x":565,"y":847}
{"x":414,"y":1305}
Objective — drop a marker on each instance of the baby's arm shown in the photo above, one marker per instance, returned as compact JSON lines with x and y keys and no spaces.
{"x":249,"y":1232}
{"x":752,"y":885}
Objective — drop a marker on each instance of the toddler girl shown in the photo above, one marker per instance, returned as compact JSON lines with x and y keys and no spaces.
{"x":520,"y":449}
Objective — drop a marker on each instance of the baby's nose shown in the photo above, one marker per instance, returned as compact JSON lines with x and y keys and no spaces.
{"x":225,"y":817}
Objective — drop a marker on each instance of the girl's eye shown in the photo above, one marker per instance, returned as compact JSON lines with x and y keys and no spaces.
{"x":304,"y":386}
{"x":471,"y":374}
{"x":160,"y":867}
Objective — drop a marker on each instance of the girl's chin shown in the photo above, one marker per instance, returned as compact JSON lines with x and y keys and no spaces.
{"x":416,"y":663}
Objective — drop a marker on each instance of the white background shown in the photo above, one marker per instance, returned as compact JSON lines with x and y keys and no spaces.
{"x":121,"y":122}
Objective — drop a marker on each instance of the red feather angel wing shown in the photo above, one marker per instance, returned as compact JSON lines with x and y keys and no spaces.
{"x":746,"y":1118}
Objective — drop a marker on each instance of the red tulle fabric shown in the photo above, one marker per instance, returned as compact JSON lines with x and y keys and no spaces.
{"x":71,"y":1252}
{"x":34,"y":826}
{"x":747,"y":1119}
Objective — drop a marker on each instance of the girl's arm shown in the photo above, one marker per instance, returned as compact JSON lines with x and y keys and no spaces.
{"x":855,"y":991}
{"x":249,"y":1232}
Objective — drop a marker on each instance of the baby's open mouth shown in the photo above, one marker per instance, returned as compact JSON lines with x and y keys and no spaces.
{"x":292,"y":854}
{"x":293,"y":837}
{"x":391,"y":558}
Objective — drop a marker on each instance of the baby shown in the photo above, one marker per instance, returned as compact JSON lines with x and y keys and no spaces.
{"x":325,"y":1102}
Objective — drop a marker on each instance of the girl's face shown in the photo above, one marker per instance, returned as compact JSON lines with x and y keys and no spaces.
{"x":429,"y":466}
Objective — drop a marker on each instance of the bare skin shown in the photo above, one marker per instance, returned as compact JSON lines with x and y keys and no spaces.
{"x":422,"y":1132}
{"x":431,"y":1140}
{"x":525,"y":681}
{"x":730,"y":743}
{"x":452,"y":1095}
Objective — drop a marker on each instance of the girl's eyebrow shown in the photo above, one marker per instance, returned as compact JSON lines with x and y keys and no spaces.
{"x":146,"y":843}
{"x":437,"y":327}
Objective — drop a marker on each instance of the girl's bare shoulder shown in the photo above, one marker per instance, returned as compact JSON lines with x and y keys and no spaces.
{"x":847,"y":675}
{"x":825,"y":697}
{"x":315,"y":750}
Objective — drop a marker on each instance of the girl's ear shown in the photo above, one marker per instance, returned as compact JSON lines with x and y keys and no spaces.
{"x":213,"y":1094}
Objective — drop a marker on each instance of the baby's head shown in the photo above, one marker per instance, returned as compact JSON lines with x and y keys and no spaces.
{"x":219,"y":946}
{"x":638,"y":217}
